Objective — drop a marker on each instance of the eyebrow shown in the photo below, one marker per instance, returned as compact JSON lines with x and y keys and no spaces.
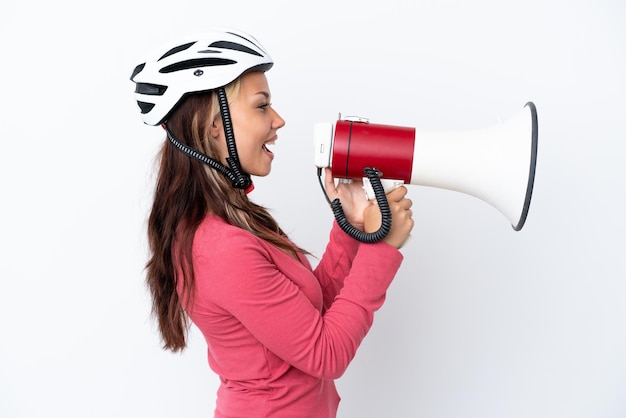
{"x":266,"y":95}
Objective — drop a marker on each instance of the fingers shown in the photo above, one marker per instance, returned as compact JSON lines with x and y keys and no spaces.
{"x":402,"y":208}
{"x":402,"y":215}
{"x":397,"y":195}
{"x":398,"y":201}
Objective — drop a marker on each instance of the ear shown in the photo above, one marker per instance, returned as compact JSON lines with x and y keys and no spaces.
{"x":216,"y":127}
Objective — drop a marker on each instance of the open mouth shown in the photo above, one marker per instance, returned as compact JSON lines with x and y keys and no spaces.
{"x":266,"y":147}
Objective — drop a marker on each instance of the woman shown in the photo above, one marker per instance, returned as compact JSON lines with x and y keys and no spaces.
{"x":278,"y":332}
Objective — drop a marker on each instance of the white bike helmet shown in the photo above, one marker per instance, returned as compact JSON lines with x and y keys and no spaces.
{"x":203,"y":62}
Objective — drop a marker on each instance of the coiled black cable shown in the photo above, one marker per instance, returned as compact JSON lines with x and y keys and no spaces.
{"x":381,"y":198}
{"x":190,"y":152}
{"x":241,"y":180}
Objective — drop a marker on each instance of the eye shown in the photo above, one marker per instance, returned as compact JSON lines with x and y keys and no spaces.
{"x":264,"y":106}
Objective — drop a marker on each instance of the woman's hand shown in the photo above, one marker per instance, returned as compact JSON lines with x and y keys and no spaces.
{"x":352,"y":197}
{"x":365,"y":215}
{"x":401,"y":217}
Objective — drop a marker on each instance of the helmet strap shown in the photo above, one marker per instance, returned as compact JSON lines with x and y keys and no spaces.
{"x":193,"y":153}
{"x":242,"y":179}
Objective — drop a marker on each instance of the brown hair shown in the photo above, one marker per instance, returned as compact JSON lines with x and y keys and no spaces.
{"x":186,"y":191}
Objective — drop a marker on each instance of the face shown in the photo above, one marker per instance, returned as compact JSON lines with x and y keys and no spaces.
{"x":255,"y":124}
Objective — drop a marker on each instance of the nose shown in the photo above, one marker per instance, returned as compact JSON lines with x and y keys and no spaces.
{"x":278,"y":121}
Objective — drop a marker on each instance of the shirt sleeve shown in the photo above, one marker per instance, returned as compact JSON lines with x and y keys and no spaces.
{"x":335,"y":263}
{"x":244,"y":280}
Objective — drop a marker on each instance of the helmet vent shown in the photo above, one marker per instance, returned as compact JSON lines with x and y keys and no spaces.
{"x":176,"y":50}
{"x":150,"y":89}
{"x":137,"y":70}
{"x":239,"y":35}
{"x":234,"y":46}
{"x":145,"y":107}
{"x":196,"y":63}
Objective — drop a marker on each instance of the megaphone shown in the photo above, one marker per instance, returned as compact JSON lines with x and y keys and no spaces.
{"x":495,"y":164}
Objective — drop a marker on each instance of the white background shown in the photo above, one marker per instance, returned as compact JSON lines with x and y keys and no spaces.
{"x":481,"y":321}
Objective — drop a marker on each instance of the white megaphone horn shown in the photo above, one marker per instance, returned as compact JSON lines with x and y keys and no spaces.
{"x":495,"y":164}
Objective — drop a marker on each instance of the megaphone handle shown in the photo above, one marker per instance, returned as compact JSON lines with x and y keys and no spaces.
{"x":367,"y":237}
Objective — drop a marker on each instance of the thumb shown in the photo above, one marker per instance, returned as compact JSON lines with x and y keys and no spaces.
{"x":329,"y":182}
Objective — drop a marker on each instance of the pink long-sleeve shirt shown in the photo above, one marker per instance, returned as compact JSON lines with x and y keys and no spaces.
{"x":279,"y":332}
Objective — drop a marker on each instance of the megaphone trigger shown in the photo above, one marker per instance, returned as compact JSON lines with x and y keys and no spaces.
{"x":388,"y":185}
